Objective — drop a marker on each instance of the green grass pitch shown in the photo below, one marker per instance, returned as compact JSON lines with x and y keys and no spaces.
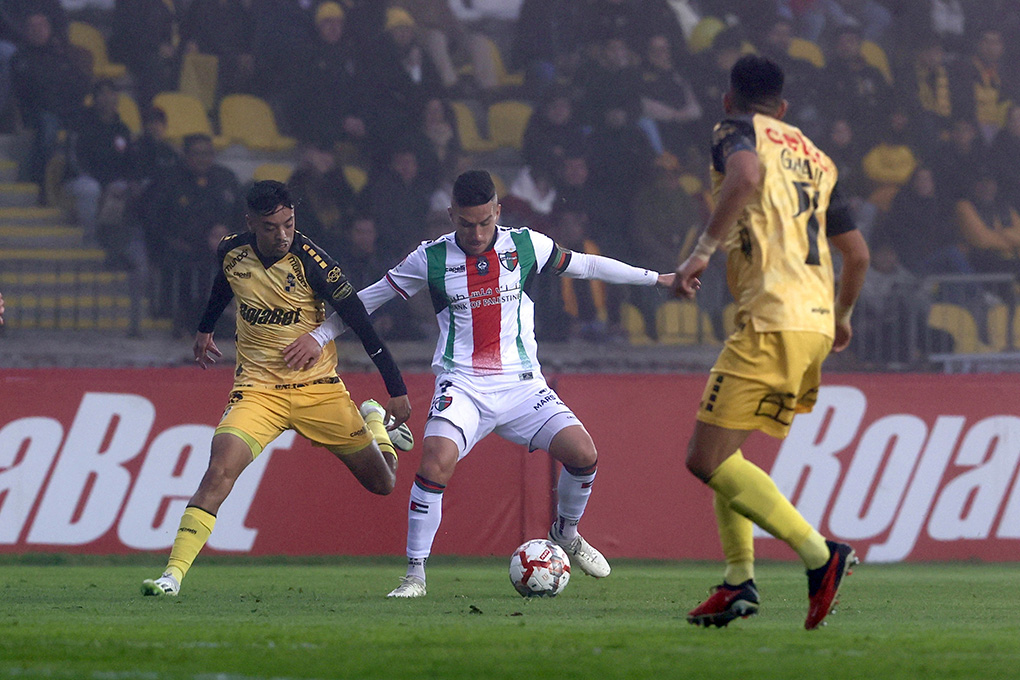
{"x":238,"y":619}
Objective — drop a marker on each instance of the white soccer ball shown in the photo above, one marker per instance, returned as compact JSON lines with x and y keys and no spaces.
{"x":539,"y":568}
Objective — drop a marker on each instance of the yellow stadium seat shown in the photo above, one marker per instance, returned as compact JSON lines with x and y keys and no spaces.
{"x":185,"y":115}
{"x":471,"y":139}
{"x":507,"y":121}
{"x":199,"y":77}
{"x":505,"y":78}
{"x":875,"y":56}
{"x":682,"y":323}
{"x":958,"y":323}
{"x":88,"y":37}
{"x":808,"y":51}
{"x":703,"y":34}
{"x":355,"y":176}
{"x":280,"y":172}
{"x":248,"y":120}
{"x":127,"y":108}
{"x":633,"y":323}
{"x":999,"y":338}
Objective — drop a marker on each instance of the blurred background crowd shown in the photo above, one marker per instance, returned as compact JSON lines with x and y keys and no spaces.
{"x":142,"y":121}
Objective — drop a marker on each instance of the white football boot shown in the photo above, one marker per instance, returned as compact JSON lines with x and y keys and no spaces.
{"x":400,"y":436}
{"x":582,"y":554}
{"x":410,"y":586}
{"x":164,"y":585}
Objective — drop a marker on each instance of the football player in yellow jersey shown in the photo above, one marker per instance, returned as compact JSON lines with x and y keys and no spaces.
{"x":281,"y":281}
{"x":777,"y":209}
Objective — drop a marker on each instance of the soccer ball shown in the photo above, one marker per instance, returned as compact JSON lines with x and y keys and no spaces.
{"x":539,"y":568}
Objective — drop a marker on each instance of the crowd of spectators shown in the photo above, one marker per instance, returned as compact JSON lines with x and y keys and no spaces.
{"x":916,"y":101}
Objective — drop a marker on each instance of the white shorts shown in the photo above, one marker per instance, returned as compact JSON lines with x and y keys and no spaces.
{"x":530,"y":413}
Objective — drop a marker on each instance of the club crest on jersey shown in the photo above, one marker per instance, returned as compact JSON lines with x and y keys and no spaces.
{"x":509,"y":260}
{"x":442,"y":402}
{"x":482,"y":264}
{"x":291,"y":280}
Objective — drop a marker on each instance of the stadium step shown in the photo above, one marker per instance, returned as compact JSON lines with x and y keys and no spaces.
{"x":40,"y":236}
{"x":53,"y":256}
{"x":8,"y":170}
{"x":19,"y":194}
{"x":30,"y":216}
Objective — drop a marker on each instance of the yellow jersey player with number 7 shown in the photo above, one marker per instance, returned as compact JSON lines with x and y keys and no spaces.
{"x":777,"y":210}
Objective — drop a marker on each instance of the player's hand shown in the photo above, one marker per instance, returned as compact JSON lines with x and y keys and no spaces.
{"x":666,"y":280}
{"x":205,"y":349}
{"x":686,"y":282}
{"x":399,"y":409}
{"x":303,"y":353}
{"x":1,"y":309}
{"x":843,"y":335}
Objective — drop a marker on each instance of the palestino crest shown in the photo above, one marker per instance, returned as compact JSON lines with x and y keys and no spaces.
{"x":442,"y":402}
{"x":508,"y":260}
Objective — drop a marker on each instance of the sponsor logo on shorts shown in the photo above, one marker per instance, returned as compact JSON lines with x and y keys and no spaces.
{"x":357,"y":433}
{"x":545,"y":400}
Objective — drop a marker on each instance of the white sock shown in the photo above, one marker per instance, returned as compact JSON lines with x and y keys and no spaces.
{"x":572,"y":493}
{"x":424,"y":513}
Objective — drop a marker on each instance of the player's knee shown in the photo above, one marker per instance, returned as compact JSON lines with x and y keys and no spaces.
{"x":698,"y":464}
{"x":381,"y":485}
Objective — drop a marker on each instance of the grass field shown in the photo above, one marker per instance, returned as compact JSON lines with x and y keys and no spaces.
{"x":244,"y":619}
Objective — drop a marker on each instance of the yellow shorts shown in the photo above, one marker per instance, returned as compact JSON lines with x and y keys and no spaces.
{"x":760,"y":380}
{"x":322,"y":413}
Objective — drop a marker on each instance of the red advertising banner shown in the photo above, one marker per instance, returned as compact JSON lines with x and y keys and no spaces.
{"x":905,"y":467}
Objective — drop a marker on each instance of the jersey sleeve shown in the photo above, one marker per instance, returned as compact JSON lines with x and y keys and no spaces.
{"x":729,"y":136}
{"x":221,"y":293}
{"x":548,"y":254}
{"x":329,"y":283}
{"x":839,"y":218}
{"x":411,"y":274}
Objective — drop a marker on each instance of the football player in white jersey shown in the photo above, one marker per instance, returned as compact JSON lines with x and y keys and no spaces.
{"x":488,"y":378}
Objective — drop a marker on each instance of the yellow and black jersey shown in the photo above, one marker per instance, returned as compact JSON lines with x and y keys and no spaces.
{"x":278,"y":300}
{"x":778,"y":262}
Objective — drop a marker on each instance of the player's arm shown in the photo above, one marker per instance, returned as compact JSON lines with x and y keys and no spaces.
{"x":733,"y":154}
{"x":1,"y":309}
{"x":587,"y":266}
{"x":844,"y":235}
{"x":205,"y":349}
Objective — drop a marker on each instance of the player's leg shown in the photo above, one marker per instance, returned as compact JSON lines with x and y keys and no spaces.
{"x":229,"y":457}
{"x":425,"y":508}
{"x":374,"y":469}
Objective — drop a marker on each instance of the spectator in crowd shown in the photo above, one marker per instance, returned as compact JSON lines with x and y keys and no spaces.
{"x":193,"y":210}
{"x":1004,"y":156}
{"x":712,"y":72}
{"x":573,"y":186}
{"x":99,"y":168}
{"x":990,"y":226}
{"x":802,"y":77}
{"x":635,"y":20}
{"x":923,"y":235}
{"x":890,"y":162}
{"x":439,"y":145}
{"x":956,"y":161}
{"x":50,"y":80}
{"x":224,"y":28}
{"x":546,"y":42}
{"x":397,"y":196}
{"x":324,"y":201}
{"x":946,"y":20}
{"x":403,"y":80}
{"x":925,"y":86}
{"x":870,"y":18}
{"x":13,"y":14}
{"x":327,"y":105}
{"x":983,"y":87}
{"x":154,"y":158}
{"x":842,"y":147}
{"x":530,"y":199}
{"x":283,"y":29}
{"x":551,"y":129}
{"x":448,"y":43}
{"x":670,"y":111}
{"x":610,"y":81}
{"x":853,"y":88}
{"x":146,"y":37}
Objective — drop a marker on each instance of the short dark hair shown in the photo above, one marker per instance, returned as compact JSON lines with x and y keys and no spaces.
{"x":474,"y":187}
{"x":266,"y":197}
{"x":756,"y":82}
{"x":154,"y":113}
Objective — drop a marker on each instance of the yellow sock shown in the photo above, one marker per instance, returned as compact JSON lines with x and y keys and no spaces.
{"x":754,"y":495}
{"x":196,"y":526}
{"x":736,"y":533}
{"x":374,"y":422}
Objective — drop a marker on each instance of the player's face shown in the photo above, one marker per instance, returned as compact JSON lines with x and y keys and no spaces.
{"x":274,"y":233}
{"x":475,"y":226}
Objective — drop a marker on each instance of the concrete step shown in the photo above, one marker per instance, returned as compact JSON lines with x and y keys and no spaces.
{"x":8,"y":170}
{"x":69,"y":323}
{"x":42,"y":259}
{"x":19,"y":194}
{"x":24,"y":216}
{"x":47,"y":283}
{"x":41,"y":236}
{"x":16,"y":145}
